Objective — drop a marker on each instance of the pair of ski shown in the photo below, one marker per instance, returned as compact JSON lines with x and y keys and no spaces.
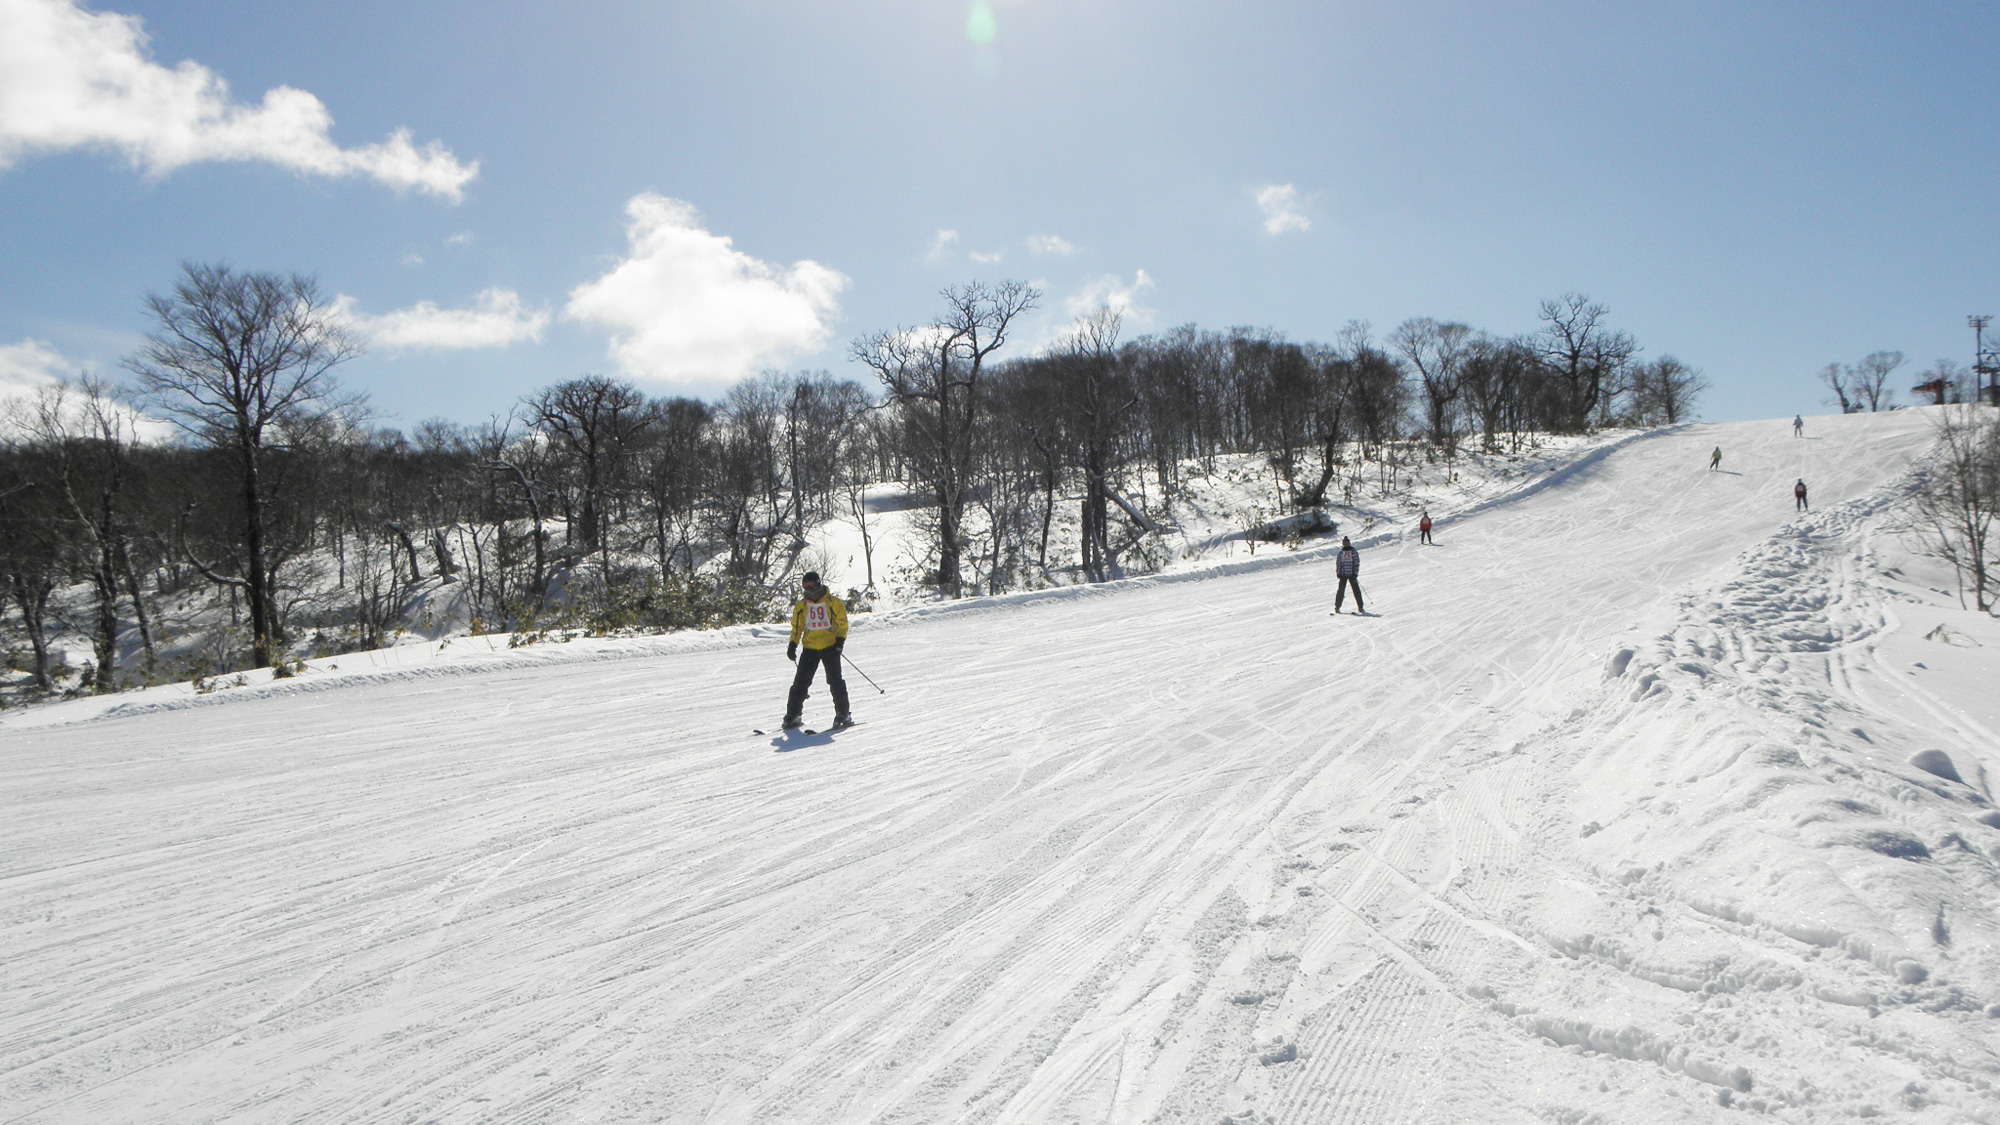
{"x":781,"y":731}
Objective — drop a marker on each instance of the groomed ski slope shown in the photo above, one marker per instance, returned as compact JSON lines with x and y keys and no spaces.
{"x":1606,"y":817}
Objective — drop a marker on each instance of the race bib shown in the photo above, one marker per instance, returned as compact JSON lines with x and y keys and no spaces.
{"x":818,"y":616}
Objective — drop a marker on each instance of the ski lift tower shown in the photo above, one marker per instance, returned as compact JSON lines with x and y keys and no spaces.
{"x":1985,"y":362}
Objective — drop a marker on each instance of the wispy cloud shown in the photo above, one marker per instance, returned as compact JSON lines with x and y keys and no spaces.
{"x":498,"y":320}
{"x":1114,"y":292}
{"x":1051,"y":244}
{"x":685,"y":305}
{"x":71,"y":78}
{"x":1280,"y":203}
{"x":944,"y":248}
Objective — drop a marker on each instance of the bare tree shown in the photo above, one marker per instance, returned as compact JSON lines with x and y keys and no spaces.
{"x":1664,"y":390}
{"x":1582,"y":356}
{"x":1007,"y":495}
{"x":1959,"y":497}
{"x":1494,"y":376}
{"x":819,"y":415}
{"x":1840,"y":380}
{"x":854,"y":480}
{"x":933,"y":374}
{"x":32,"y":549}
{"x":675,"y":468}
{"x":1334,"y":379}
{"x":1173,"y":375}
{"x":1437,"y":353}
{"x":87,"y":442}
{"x":1870,"y":378}
{"x":1379,"y":394}
{"x":539,"y":584}
{"x":747,"y":494}
{"x":594,"y":419}
{"x":232,"y":359}
{"x":1096,"y":403}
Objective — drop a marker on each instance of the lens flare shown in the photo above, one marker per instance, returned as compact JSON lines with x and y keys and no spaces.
{"x":980,"y":26}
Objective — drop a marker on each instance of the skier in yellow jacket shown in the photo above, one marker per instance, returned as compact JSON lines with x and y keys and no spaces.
{"x":820,"y":620}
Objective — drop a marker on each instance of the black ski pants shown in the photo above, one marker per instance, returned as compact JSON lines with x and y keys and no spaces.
{"x":810,"y":660}
{"x":1800,"y":505}
{"x":1341,"y":593}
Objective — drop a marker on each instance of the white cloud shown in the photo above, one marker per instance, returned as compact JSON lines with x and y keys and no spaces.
{"x":1112,"y":291}
{"x":497,"y":321}
{"x":1280,"y":203}
{"x":985,"y":259}
{"x":31,"y":369}
{"x":30,"y":365}
{"x":462,"y":238}
{"x":412,"y":260}
{"x":685,"y":305}
{"x":70,"y":78}
{"x":1051,"y":244}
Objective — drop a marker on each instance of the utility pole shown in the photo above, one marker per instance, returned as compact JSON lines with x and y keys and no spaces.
{"x":1985,"y":362}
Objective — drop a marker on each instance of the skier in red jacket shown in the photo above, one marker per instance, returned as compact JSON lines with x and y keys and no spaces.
{"x":1423,"y":532}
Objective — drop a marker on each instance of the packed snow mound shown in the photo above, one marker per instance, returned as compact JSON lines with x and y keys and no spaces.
{"x":1628,"y":802}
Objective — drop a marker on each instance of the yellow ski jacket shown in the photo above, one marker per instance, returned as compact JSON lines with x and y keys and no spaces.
{"x":819,"y":623}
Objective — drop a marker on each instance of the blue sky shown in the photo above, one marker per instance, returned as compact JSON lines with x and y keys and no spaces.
{"x":1757,"y":188}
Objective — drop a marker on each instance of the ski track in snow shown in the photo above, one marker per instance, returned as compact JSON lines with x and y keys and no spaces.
{"x":1184,"y":850}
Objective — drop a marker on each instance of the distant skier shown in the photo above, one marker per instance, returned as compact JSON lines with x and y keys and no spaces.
{"x":1798,"y":426}
{"x":1347,"y":567}
{"x":1799,"y":497}
{"x":1715,"y":460}
{"x":820,"y":620}
{"x":1423,"y":535}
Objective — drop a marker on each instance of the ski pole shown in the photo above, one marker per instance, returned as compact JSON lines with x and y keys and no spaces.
{"x":866,"y":676}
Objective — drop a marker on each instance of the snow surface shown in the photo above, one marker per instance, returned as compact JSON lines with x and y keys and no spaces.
{"x":1609,"y":816}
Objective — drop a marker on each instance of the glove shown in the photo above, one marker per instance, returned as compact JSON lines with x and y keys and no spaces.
{"x":792,"y":652}
{"x":838,"y":644}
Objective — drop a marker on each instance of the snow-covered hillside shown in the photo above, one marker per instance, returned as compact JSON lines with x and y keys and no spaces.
{"x":1607,"y":816}
{"x":1225,"y":508}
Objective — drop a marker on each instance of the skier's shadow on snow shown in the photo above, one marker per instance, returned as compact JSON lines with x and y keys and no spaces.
{"x":799,"y":740}
{"x":1726,"y":472}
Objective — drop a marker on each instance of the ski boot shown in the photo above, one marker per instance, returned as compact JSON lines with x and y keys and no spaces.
{"x":793,"y":722}
{"x":842,"y":721}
